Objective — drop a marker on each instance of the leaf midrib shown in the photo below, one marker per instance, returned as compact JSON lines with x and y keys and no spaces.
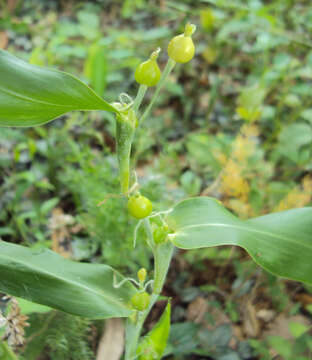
{"x":243,"y":228}
{"x":70,"y":282}
{"x":23,"y":97}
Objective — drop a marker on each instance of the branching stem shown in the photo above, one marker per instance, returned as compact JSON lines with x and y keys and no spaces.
{"x":162,"y":258}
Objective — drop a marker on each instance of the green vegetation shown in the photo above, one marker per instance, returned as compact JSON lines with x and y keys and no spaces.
{"x":233,"y":124}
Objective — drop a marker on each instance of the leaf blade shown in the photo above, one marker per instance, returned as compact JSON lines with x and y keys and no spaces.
{"x":271,"y":240}
{"x":46,"y":278}
{"x":31,"y":95}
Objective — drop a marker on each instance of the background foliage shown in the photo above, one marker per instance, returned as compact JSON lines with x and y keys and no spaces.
{"x":235,"y":124}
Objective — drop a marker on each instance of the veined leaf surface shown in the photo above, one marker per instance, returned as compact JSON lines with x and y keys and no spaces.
{"x":47,"y":278}
{"x":280,"y":242}
{"x":31,"y":95}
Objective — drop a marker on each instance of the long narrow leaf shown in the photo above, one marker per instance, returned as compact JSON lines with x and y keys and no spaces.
{"x":31,"y":95}
{"x":280,"y":242}
{"x":46,"y":278}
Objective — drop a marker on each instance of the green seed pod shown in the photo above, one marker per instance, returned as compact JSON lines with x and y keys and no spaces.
{"x":148,"y":72}
{"x":181,"y":48}
{"x":139,"y":206}
{"x":140,"y":301}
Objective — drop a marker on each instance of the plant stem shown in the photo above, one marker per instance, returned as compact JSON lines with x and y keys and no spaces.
{"x":162,"y":258}
{"x":133,"y":330}
{"x":139,"y":98}
{"x":162,"y":252}
{"x":125,"y":128}
{"x":149,"y":233}
{"x":169,"y":66}
{"x":124,"y":138}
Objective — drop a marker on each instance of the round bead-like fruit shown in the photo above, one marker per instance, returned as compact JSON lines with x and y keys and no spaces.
{"x":148,"y":72}
{"x":181,"y":48}
{"x":139,"y":206}
{"x":140,"y":301}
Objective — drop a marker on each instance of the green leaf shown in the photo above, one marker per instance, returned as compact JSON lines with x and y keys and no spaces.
{"x":183,"y":339}
{"x":28,"y":307}
{"x":96,"y":67}
{"x":281,"y":242}
{"x":46,"y":278}
{"x":292,"y":140}
{"x":6,"y":353}
{"x":281,"y":345}
{"x":154,"y":343}
{"x":49,"y":205}
{"x":307,"y":115}
{"x":31,"y":95}
{"x":297,"y":329}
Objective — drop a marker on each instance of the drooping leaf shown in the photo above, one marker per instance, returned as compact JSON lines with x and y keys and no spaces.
{"x":154,"y":343}
{"x":31,"y":95}
{"x":47,"y":278}
{"x":280,"y":242}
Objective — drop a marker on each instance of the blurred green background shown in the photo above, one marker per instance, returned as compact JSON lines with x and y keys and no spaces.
{"x":235,"y":123}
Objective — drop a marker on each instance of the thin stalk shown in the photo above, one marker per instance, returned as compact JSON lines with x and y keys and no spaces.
{"x":133,"y":330}
{"x":139,"y":98}
{"x":124,"y":138}
{"x":149,"y":233}
{"x":169,"y":66}
{"x":162,"y":257}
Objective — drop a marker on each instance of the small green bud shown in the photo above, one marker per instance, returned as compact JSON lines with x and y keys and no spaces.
{"x":142,"y":275}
